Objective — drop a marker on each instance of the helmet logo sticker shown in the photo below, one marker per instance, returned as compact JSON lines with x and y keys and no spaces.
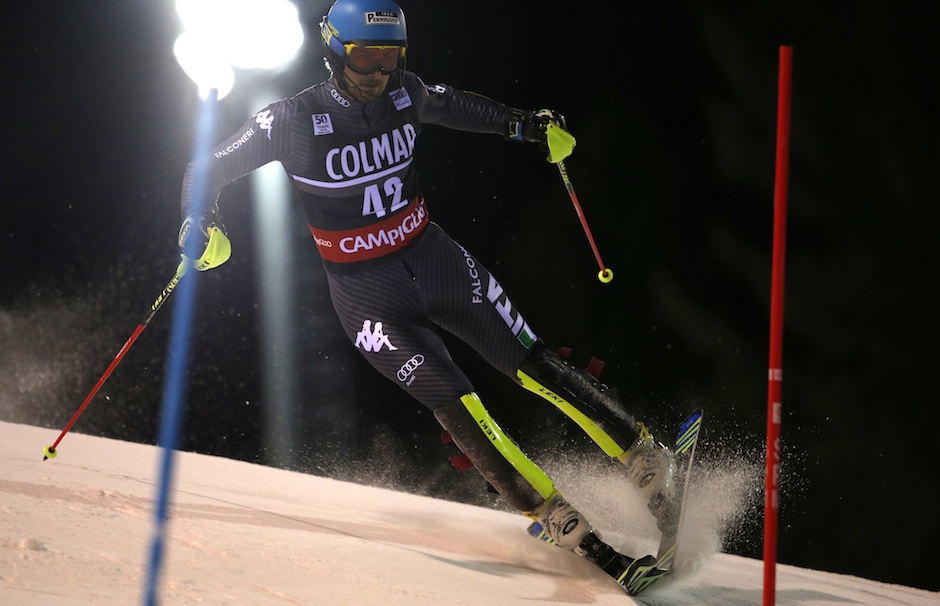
{"x":382,"y":18}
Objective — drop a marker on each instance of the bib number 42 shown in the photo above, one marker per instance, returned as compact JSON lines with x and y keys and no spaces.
{"x":374,"y":197}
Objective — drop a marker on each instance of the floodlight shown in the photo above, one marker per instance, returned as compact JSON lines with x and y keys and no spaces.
{"x":245,"y":34}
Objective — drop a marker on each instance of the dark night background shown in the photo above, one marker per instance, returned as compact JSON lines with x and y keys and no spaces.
{"x":673,"y":105}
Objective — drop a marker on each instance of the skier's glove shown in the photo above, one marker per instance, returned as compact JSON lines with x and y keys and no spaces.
{"x":205,"y":239}
{"x":545,"y":127}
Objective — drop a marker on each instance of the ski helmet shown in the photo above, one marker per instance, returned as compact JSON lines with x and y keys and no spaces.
{"x":363,"y":23}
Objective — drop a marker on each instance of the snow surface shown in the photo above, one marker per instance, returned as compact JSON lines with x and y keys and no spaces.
{"x":77,"y":530}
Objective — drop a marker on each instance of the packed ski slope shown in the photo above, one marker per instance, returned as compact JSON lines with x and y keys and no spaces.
{"x":77,"y":530}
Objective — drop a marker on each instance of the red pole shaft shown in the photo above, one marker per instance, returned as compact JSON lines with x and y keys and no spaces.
{"x":107,"y":373}
{"x":775,"y":370}
{"x":577,"y":209}
{"x":157,"y":304}
{"x":587,"y":231}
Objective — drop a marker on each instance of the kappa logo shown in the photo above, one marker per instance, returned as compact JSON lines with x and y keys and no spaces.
{"x":373,"y":339}
{"x":265,"y":119}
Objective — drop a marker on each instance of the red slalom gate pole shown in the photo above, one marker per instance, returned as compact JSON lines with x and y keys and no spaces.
{"x":775,"y":369}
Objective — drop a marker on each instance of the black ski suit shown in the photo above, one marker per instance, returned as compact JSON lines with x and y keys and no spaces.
{"x":394,"y":276}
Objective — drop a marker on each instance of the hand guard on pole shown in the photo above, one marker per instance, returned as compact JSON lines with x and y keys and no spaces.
{"x":545,"y":127}
{"x":206,"y":237}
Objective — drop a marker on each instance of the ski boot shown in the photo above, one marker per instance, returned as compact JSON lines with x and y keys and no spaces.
{"x":651,"y":467}
{"x":558,"y":523}
{"x":562,"y":524}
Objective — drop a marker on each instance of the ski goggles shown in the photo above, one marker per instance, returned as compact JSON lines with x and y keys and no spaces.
{"x":367,"y":59}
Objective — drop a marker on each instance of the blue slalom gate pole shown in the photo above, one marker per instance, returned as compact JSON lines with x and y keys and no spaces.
{"x":174,"y":389}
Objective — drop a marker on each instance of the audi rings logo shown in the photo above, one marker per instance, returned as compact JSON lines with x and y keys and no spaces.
{"x":407,"y":369}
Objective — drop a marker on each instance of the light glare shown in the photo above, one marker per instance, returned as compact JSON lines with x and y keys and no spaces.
{"x":246,"y":34}
{"x":203,"y":66}
{"x":263,"y":38}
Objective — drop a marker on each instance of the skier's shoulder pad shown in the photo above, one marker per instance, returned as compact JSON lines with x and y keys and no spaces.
{"x":303,"y":101}
{"x":275,"y":116}
{"x":412,"y":83}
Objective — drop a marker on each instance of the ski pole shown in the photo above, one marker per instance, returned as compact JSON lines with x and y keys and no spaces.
{"x":605,"y":274}
{"x":50,"y":451}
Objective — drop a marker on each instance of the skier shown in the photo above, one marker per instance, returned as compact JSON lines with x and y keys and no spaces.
{"x":396,"y":278}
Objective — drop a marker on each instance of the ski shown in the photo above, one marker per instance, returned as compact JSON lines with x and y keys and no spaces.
{"x":633,"y":575}
{"x":637,"y":574}
{"x":654,"y":568}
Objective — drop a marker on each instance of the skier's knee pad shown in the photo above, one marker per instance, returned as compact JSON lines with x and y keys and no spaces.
{"x":494,"y":454}
{"x":579,"y":396}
